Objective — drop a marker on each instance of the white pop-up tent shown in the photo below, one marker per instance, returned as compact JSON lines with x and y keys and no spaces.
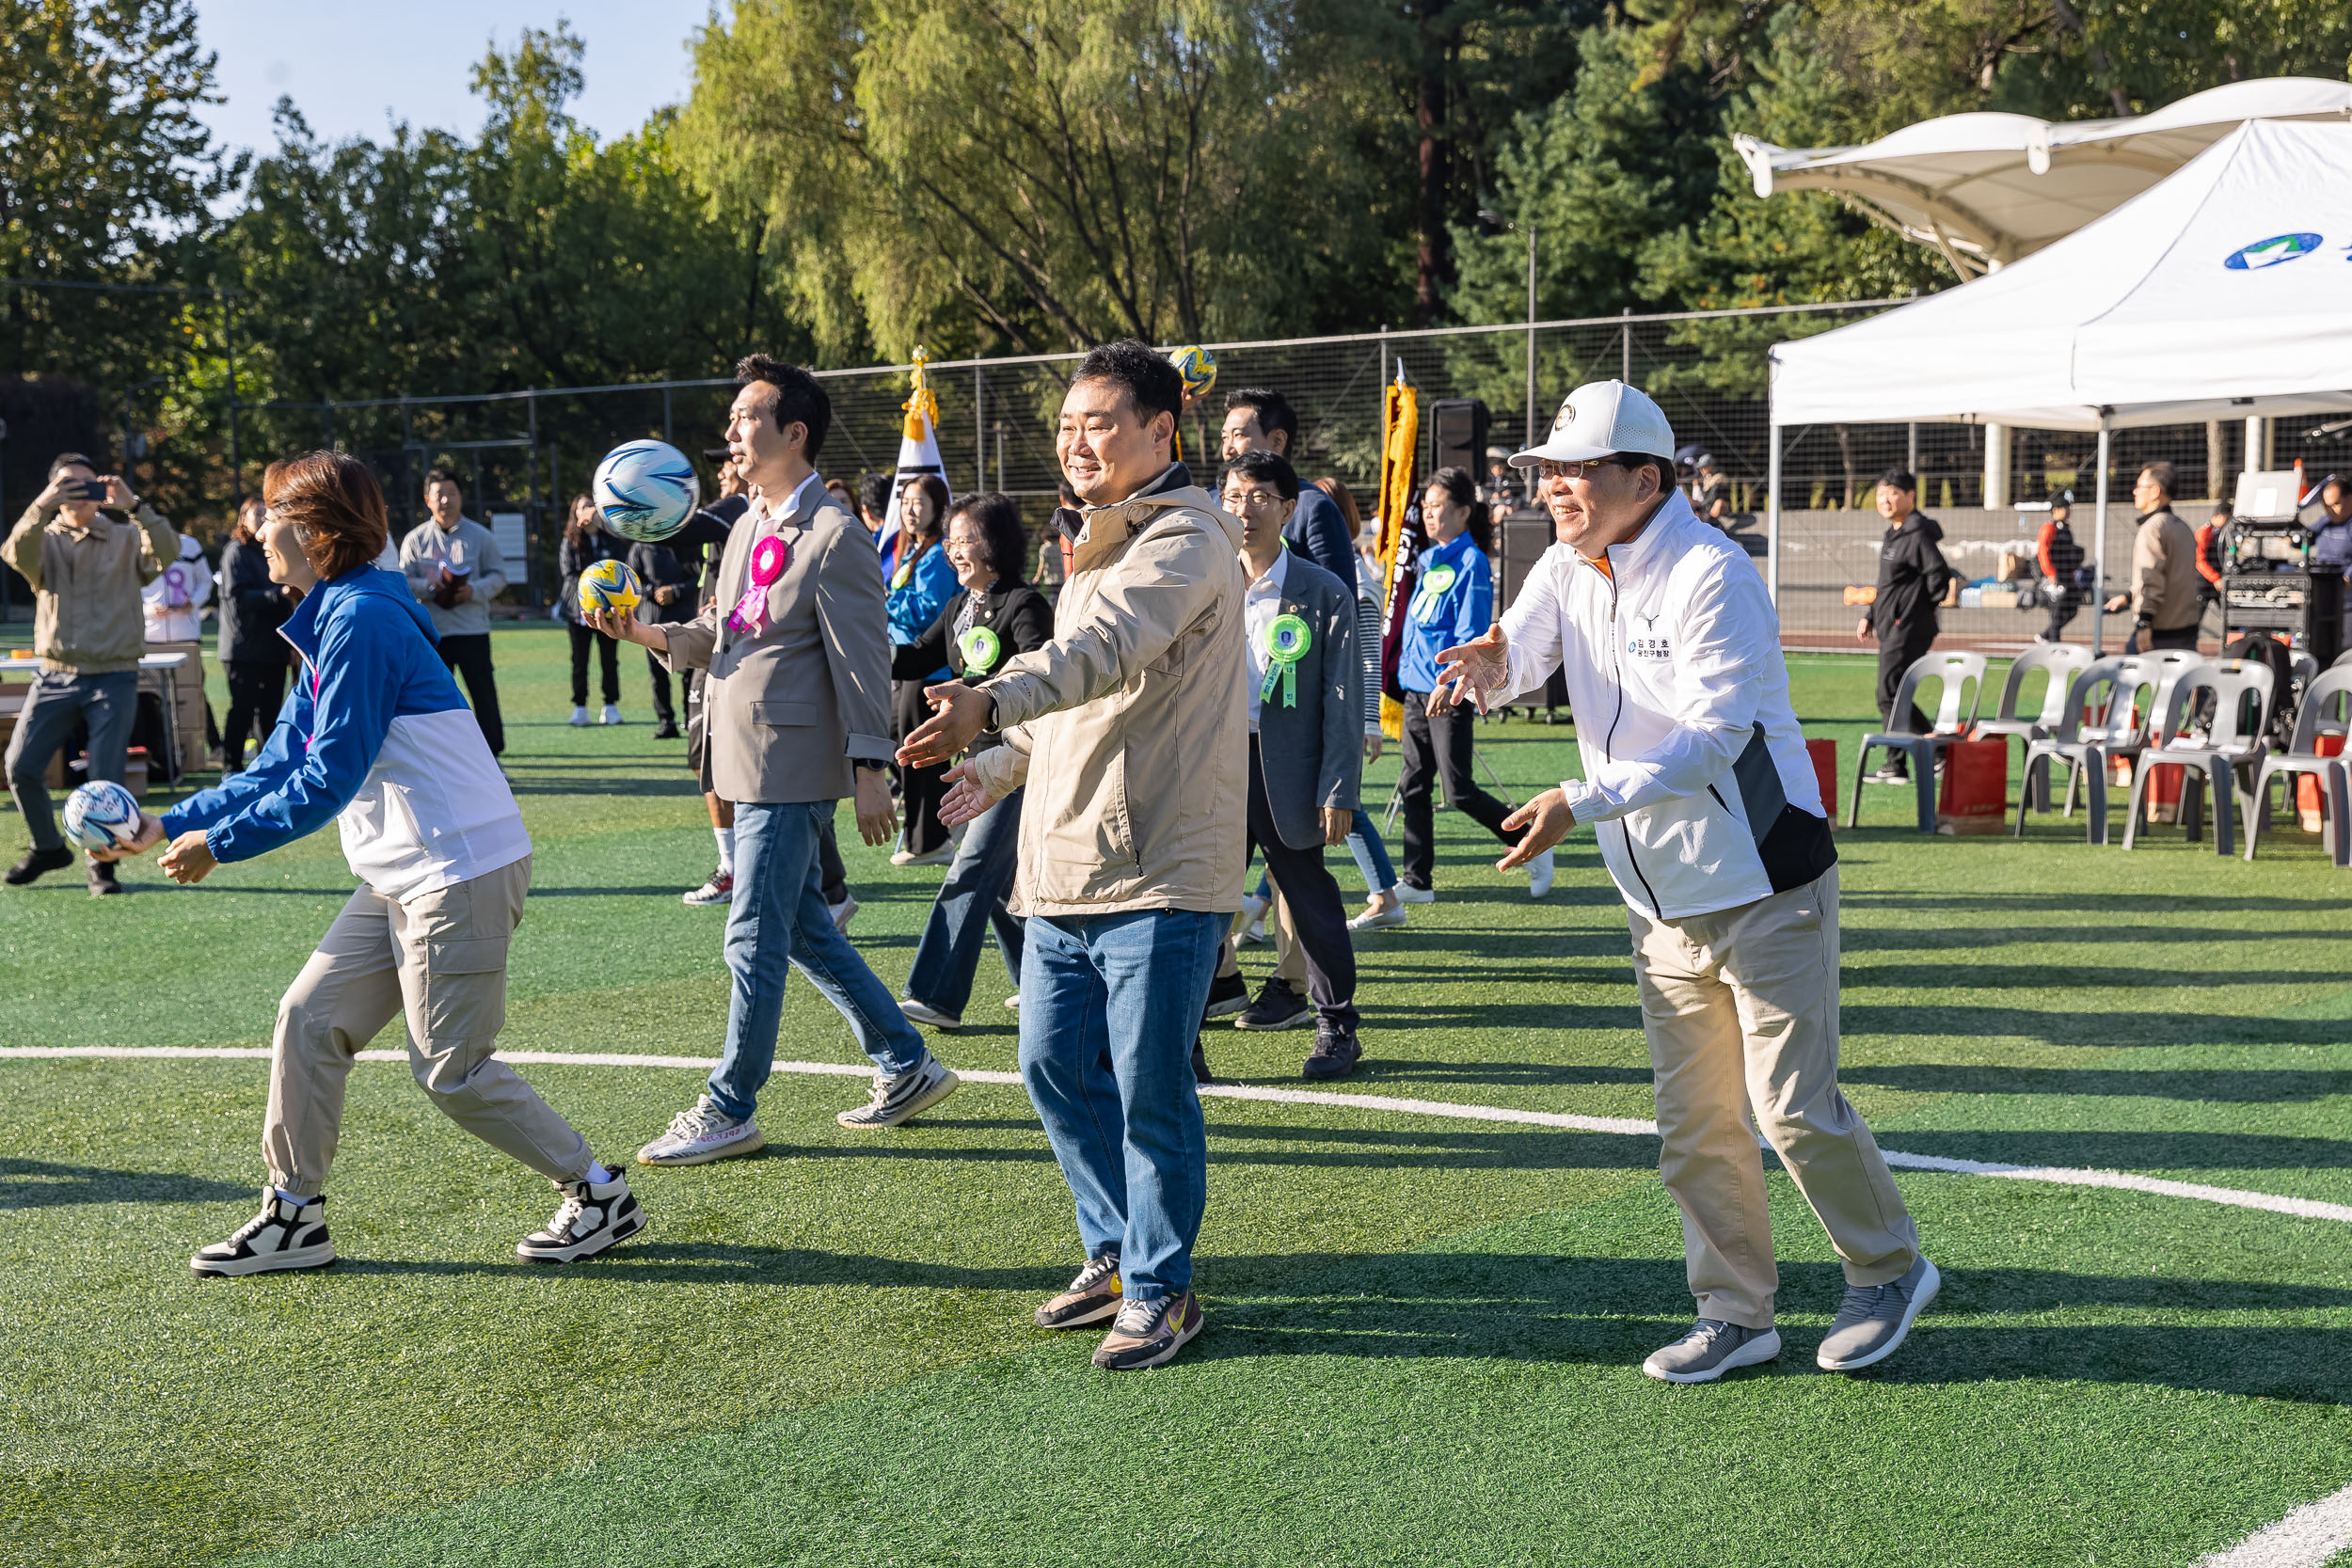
{"x":1987,"y":189}
{"x":2224,"y":291}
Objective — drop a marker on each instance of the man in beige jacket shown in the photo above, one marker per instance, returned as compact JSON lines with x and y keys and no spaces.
{"x":1130,"y":731}
{"x":796,"y":703}
{"x":2164,"y":583}
{"x":86,"y":569}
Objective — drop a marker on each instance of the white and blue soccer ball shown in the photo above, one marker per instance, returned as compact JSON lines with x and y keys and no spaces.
{"x":646,"y":490}
{"x":102,"y":814}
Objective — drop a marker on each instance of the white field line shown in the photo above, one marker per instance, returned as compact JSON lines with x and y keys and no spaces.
{"x":2068,"y":1176}
{"x":2304,"y":1539}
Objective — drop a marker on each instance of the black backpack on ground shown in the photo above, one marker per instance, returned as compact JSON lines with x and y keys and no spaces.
{"x":2279,"y":718}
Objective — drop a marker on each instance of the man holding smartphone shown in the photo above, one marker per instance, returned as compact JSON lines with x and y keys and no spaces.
{"x":90,"y":630}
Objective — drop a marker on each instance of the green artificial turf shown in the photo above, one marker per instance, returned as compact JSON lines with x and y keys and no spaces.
{"x":1425,"y":1332}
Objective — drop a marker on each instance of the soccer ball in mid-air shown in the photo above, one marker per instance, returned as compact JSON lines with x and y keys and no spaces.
{"x":646,"y":490}
{"x":609,"y":585}
{"x":102,"y":814}
{"x":1197,"y":366}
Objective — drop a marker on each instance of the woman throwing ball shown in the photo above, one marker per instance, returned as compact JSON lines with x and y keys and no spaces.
{"x":376,"y":737}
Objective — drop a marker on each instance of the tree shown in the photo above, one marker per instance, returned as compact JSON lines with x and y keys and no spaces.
{"x":1028,"y":174}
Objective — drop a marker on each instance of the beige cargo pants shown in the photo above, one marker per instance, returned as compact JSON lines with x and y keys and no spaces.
{"x":1741,"y":1008}
{"x":440,"y":958}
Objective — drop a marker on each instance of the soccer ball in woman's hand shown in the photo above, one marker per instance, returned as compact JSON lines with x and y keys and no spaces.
{"x":102,"y":814}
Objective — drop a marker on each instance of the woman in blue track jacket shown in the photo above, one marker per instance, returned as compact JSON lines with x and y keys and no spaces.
{"x":377,"y":738}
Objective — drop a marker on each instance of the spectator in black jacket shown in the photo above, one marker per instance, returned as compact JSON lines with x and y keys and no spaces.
{"x":1913,"y":577}
{"x":584,"y":544}
{"x":252,"y":653}
{"x":668,"y":581}
{"x":994,"y":617}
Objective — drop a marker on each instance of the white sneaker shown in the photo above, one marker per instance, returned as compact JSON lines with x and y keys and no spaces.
{"x":284,"y":1235}
{"x":578,"y":719}
{"x":1012,"y":1003}
{"x":1253,"y":913}
{"x":843,"y":912}
{"x":1407,"y":894}
{"x":719,"y":890}
{"x":1378,"y":918}
{"x":940,"y":856}
{"x":928,"y":1017}
{"x":698,"y":1136}
{"x":1539,"y":875}
{"x":900,"y":1099}
{"x":595,"y":1215}
{"x":611,"y":715}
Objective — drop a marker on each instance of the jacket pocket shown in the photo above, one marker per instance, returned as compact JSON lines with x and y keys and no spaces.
{"x":786,"y":713}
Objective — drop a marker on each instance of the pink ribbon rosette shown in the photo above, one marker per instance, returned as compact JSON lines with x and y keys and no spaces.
{"x":770,"y":557}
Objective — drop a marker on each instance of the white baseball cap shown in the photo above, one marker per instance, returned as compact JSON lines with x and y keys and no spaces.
{"x":1600,"y":417}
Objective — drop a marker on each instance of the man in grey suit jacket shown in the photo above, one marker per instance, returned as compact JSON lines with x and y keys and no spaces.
{"x":1306,"y":744}
{"x":797,"y":650}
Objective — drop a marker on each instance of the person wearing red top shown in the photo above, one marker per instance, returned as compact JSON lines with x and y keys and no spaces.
{"x":2061,"y":560}
{"x":2209,"y":559}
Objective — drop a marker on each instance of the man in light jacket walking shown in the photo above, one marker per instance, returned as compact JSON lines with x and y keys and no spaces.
{"x":2164,"y":584}
{"x":1131,"y":733}
{"x":1711,"y":824}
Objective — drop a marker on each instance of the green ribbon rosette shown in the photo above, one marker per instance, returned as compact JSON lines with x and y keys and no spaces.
{"x":1433,"y":586}
{"x":1286,"y":643}
{"x":978,"y":648}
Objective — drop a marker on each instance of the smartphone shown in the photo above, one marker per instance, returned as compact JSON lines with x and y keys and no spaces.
{"x":89,"y":490}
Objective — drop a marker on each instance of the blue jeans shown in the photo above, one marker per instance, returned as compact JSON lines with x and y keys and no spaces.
{"x":108,"y":703}
{"x":779,"y":922}
{"x":1109,"y":1006}
{"x":969,"y":901}
{"x":1372,"y":856}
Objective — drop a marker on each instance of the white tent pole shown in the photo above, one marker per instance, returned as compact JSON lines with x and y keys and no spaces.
{"x":2099,"y":550}
{"x":1772,"y":518}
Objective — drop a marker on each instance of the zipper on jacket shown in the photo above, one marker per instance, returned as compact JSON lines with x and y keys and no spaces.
{"x":1617,"y":668}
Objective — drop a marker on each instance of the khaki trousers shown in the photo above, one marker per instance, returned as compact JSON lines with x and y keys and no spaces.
{"x":440,"y":958}
{"x":1741,"y":1008}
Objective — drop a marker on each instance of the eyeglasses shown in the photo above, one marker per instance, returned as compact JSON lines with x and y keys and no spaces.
{"x":1546,"y":469}
{"x":1252,"y":500}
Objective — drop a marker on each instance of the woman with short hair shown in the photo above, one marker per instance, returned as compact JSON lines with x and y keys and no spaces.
{"x":377,"y":739}
{"x":994,"y":617}
{"x":922,"y":579}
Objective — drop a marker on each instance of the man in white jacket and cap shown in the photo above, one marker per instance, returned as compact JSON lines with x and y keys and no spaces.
{"x":1698,"y":787}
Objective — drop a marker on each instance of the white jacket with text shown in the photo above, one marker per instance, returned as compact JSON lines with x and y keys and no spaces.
{"x":1697,"y":779}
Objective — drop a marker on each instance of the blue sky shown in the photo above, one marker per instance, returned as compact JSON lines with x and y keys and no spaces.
{"x":353,"y":67}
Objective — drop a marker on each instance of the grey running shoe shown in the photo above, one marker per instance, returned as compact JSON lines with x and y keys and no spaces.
{"x":1873,"y":1320}
{"x":1091,"y":1297}
{"x":1147,"y":1333}
{"x":901,"y":1099}
{"x":698,"y":1136}
{"x":284,"y":1235}
{"x":593,"y":1215}
{"x":1711,"y":1349}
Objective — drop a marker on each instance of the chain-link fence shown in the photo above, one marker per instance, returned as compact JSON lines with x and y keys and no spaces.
{"x":525,"y":453}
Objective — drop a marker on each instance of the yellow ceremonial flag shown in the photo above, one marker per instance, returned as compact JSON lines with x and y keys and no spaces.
{"x":918,"y":447}
{"x":1400,"y":443}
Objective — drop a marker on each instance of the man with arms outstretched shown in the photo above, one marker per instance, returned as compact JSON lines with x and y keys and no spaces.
{"x":1711,"y":824}
{"x":1130,"y":732}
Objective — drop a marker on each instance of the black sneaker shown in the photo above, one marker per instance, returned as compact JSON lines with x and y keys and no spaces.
{"x":1091,"y":1297}
{"x":665,"y":731}
{"x":1278,"y":1007}
{"x":595,"y":1215}
{"x":35,"y":863}
{"x":1147,"y":1333}
{"x":1227,"y":993}
{"x":1336,"y":1052}
{"x":1201,"y":1073}
{"x":101,"y":879}
{"x":1890,"y":774}
{"x":284,"y":1235}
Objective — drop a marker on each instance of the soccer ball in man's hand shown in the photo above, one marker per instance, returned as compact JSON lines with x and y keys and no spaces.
{"x":610,"y":586}
{"x":1197,"y":366}
{"x":102,"y":814}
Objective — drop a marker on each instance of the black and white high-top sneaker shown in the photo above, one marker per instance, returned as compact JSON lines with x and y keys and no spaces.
{"x":284,"y":1235}
{"x":593,"y":1215}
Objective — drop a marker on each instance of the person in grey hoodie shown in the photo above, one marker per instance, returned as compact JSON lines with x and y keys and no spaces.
{"x":455,"y":568}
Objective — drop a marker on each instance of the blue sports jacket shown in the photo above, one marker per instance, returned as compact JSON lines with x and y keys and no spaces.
{"x":376,"y":737}
{"x":1454,"y":601}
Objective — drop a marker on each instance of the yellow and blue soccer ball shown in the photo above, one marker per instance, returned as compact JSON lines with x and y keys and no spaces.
{"x":102,"y":814}
{"x":1197,"y":366}
{"x":609,"y":585}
